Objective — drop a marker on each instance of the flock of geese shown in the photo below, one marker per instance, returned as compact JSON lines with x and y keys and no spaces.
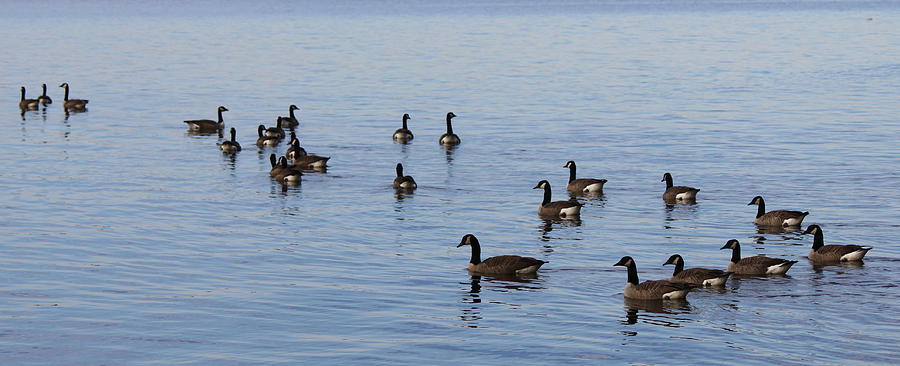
{"x":288,"y":170}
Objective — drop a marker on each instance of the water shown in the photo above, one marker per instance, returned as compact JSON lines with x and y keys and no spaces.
{"x":126,"y":240}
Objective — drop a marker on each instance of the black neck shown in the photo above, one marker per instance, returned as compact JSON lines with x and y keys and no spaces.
{"x":23,"y":93}
{"x":571,"y":173}
{"x":818,"y":240}
{"x":66,"y":95}
{"x":259,"y":130}
{"x":678,"y":268}
{"x":632,"y":274}
{"x":736,"y":254}
{"x":399,"y":171}
{"x":668,"y":179}
{"x":547,"y":195}
{"x":232,"y":135}
{"x":44,"y":88}
{"x":761,"y":210}
{"x":476,"y":254}
{"x":272,"y":160}
{"x":292,"y":114}
{"x":404,"y":122}
{"x":220,"y":114}
{"x":449,"y":126}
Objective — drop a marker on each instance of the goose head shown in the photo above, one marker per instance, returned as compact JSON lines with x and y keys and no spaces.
{"x":666,"y":177}
{"x":569,"y":164}
{"x":755,"y":201}
{"x":812,"y":229}
{"x":731,"y":244}
{"x":626,"y":261}
{"x":674,"y":259}
{"x":468,"y":239}
{"x":222,"y":109}
{"x":542,"y":185}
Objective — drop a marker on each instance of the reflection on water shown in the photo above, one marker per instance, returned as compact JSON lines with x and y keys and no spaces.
{"x":548,"y":225}
{"x":656,"y":312}
{"x":819,"y":267}
{"x":472,"y":295}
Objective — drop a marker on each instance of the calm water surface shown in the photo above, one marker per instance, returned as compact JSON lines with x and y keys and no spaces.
{"x":126,"y":240}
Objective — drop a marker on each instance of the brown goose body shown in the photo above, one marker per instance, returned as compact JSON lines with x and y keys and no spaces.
{"x":758,"y":265}
{"x":264,"y":139}
{"x":276,"y":166}
{"x":781,"y":218}
{"x":449,"y":138}
{"x":286,"y":173}
{"x":403,"y":134}
{"x":207,"y":125}
{"x":311,"y":161}
{"x":72,"y":104}
{"x":696,"y":276}
{"x":821,"y":253}
{"x":294,"y":150}
{"x":678,"y":193}
{"x":403,"y":181}
{"x":503,"y":264}
{"x":561,"y":209}
{"x":291,"y":121}
{"x":582,"y":185}
{"x":232,"y":145}
{"x":27,"y":104}
{"x":44,"y":99}
{"x":651,"y":290}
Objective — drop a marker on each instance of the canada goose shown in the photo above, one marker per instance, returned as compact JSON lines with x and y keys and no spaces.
{"x":207,"y":124}
{"x":583,"y":185}
{"x":291,"y":121}
{"x":276,"y":167}
{"x":44,"y":98}
{"x":651,"y":290}
{"x":276,"y":132}
{"x":677,"y":193}
{"x":231,"y":146}
{"x":27,"y":104}
{"x":564,"y":209}
{"x":833,"y":253}
{"x":778,"y":217}
{"x":287,"y":174}
{"x":758,"y":265}
{"x":403,"y":182}
{"x":403,"y":133}
{"x":295,"y":151}
{"x":697,"y":276}
{"x":503,"y":264}
{"x":264,"y":139}
{"x":449,"y":138}
{"x":75,"y":104}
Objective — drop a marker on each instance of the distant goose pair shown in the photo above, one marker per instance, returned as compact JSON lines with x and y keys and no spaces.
{"x":403,"y":134}
{"x":301,"y":159}
{"x":282,"y":172}
{"x":269,"y":136}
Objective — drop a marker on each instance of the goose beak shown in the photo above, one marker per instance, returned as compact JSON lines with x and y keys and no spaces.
{"x":460,"y":244}
{"x":725,"y":247}
{"x":749,"y":204}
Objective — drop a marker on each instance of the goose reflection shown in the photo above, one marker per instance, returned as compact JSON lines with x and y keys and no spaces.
{"x":656,"y":312}
{"x":820,"y":267}
{"x":448,"y":153}
{"x":547,"y":225}
{"x":472,"y":314}
{"x":472,"y":293}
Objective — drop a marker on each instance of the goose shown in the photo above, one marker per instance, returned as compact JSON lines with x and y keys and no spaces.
{"x":287,"y":174}
{"x":403,"y":134}
{"x":758,"y":265}
{"x":207,"y":124}
{"x":303,"y":160}
{"x":291,"y":121}
{"x":403,"y":182}
{"x":44,"y":99}
{"x":696,"y":276}
{"x":264,"y":139}
{"x":76,"y":104}
{"x":275,"y":131}
{"x":294,"y":151}
{"x":651,"y":290}
{"x":503,"y":264}
{"x":27,"y":104}
{"x":564,"y":209}
{"x":776,"y":218}
{"x":276,"y":167}
{"x":677,"y":193}
{"x":832,"y":253}
{"x":232,"y":145}
{"x":583,"y":185}
{"x":449,"y":138}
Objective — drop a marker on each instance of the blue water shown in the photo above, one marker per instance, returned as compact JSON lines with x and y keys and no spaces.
{"x":127,"y":240}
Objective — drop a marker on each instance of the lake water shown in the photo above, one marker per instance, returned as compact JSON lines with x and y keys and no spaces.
{"x":127,"y":240}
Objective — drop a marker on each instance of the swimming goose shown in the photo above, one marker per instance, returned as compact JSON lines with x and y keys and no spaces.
{"x":564,"y":209}
{"x":403,"y":134}
{"x":677,"y":193}
{"x":207,"y":124}
{"x":264,"y":139}
{"x":697,"y":276}
{"x":276,"y":132}
{"x":294,"y":151}
{"x":583,"y":185}
{"x":286,"y":173}
{"x":651,"y":290}
{"x":44,"y":98}
{"x":276,"y":167}
{"x":776,"y":218}
{"x":76,"y":104}
{"x":27,"y":104}
{"x":503,"y":264}
{"x":833,"y":253}
{"x":231,"y":146}
{"x":291,"y":121}
{"x":449,"y":138}
{"x":301,"y":159}
{"x":758,"y":265}
{"x":403,"y":182}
